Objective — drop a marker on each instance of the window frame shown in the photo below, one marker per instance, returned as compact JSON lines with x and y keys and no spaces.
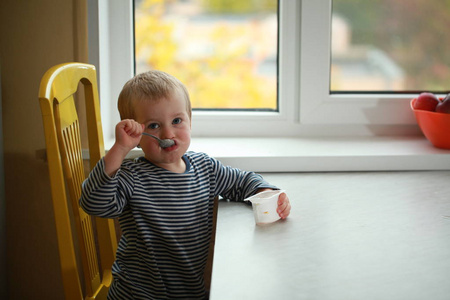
{"x":306,"y":107}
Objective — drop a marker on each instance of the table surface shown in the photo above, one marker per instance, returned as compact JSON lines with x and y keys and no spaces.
{"x":374,"y":235}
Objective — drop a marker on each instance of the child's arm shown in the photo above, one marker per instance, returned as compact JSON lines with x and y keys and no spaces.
{"x":100,"y":195}
{"x":235,"y":184}
{"x":128,"y":136}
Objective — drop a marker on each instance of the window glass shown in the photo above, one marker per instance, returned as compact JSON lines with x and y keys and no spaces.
{"x":224,"y":51}
{"x":390,"y":46}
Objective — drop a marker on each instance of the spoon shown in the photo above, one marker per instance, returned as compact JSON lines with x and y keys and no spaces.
{"x":162,"y":143}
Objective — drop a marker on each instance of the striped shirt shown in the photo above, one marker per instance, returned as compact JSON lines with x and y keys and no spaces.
{"x":166,"y":221}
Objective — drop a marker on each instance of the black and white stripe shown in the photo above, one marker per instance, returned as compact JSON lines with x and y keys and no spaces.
{"x":166,"y":221}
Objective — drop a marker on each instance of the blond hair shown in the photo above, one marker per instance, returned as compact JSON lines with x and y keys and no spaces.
{"x":149,"y":86}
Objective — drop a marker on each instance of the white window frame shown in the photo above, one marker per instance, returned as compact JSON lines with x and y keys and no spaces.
{"x":305,"y":106}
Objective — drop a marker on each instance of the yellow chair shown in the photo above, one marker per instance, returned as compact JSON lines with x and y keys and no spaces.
{"x":65,"y":162}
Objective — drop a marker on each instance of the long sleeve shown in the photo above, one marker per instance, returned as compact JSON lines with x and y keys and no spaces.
{"x":235,"y":184}
{"x":105,"y":196}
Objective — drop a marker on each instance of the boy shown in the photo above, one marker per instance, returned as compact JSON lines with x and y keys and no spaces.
{"x":164,"y":200}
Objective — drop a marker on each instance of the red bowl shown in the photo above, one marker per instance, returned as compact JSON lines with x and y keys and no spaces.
{"x":435,"y":126}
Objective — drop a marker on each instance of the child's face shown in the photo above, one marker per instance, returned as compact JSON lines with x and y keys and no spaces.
{"x":167,"y":119}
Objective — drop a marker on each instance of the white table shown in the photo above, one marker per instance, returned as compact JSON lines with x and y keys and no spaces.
{"x":380,"y":235}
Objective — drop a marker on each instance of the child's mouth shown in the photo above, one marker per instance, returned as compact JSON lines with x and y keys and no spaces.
{"x":170,"y":148}
{"x":167,"y":143}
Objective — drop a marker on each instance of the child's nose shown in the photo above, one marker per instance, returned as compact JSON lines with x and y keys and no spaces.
{"x":166,"y":133}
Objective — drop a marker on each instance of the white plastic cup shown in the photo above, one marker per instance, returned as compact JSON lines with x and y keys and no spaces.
{"x":265,"y":206}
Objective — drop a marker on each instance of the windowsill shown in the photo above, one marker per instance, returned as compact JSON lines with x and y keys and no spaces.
{"x":310,"y":154}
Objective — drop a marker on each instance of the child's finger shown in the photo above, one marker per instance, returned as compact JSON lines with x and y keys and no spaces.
{"x":284,"y":206}
{"x":133,"y":128}
{"x":281,"y":198}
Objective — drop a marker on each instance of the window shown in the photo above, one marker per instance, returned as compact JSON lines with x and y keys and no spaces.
{"x":389,"y":46}
{"x":225,"y":52}
{"x":305,"y":104}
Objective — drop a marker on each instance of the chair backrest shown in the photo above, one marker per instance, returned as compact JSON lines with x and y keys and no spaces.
{"x":65,"y":162}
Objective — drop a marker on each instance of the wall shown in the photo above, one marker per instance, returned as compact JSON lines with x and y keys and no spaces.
{"x":34,"y":36}
{"x":2,"y":210}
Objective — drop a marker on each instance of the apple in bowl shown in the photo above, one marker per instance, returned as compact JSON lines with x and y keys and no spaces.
{"x":444,"y":105}
{"x":426,"y":101}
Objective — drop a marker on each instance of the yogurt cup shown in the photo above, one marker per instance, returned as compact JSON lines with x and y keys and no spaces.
{"x":265,"y":206}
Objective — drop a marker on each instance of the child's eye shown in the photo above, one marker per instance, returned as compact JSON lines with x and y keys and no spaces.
{"x":176,"y":121}
{"x":153,"y":126}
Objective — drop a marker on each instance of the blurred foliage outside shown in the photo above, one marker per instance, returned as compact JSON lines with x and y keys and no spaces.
{"x":224,"y":75}
{"x":239,"y":7}
{"x":413,"y":33}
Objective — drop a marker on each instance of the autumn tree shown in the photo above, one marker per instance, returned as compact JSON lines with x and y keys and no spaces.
{"x":226,"y":78}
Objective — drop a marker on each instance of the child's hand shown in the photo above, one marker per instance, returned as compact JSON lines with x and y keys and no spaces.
{"x":284,"y":206}
{"x":128,"y":134}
